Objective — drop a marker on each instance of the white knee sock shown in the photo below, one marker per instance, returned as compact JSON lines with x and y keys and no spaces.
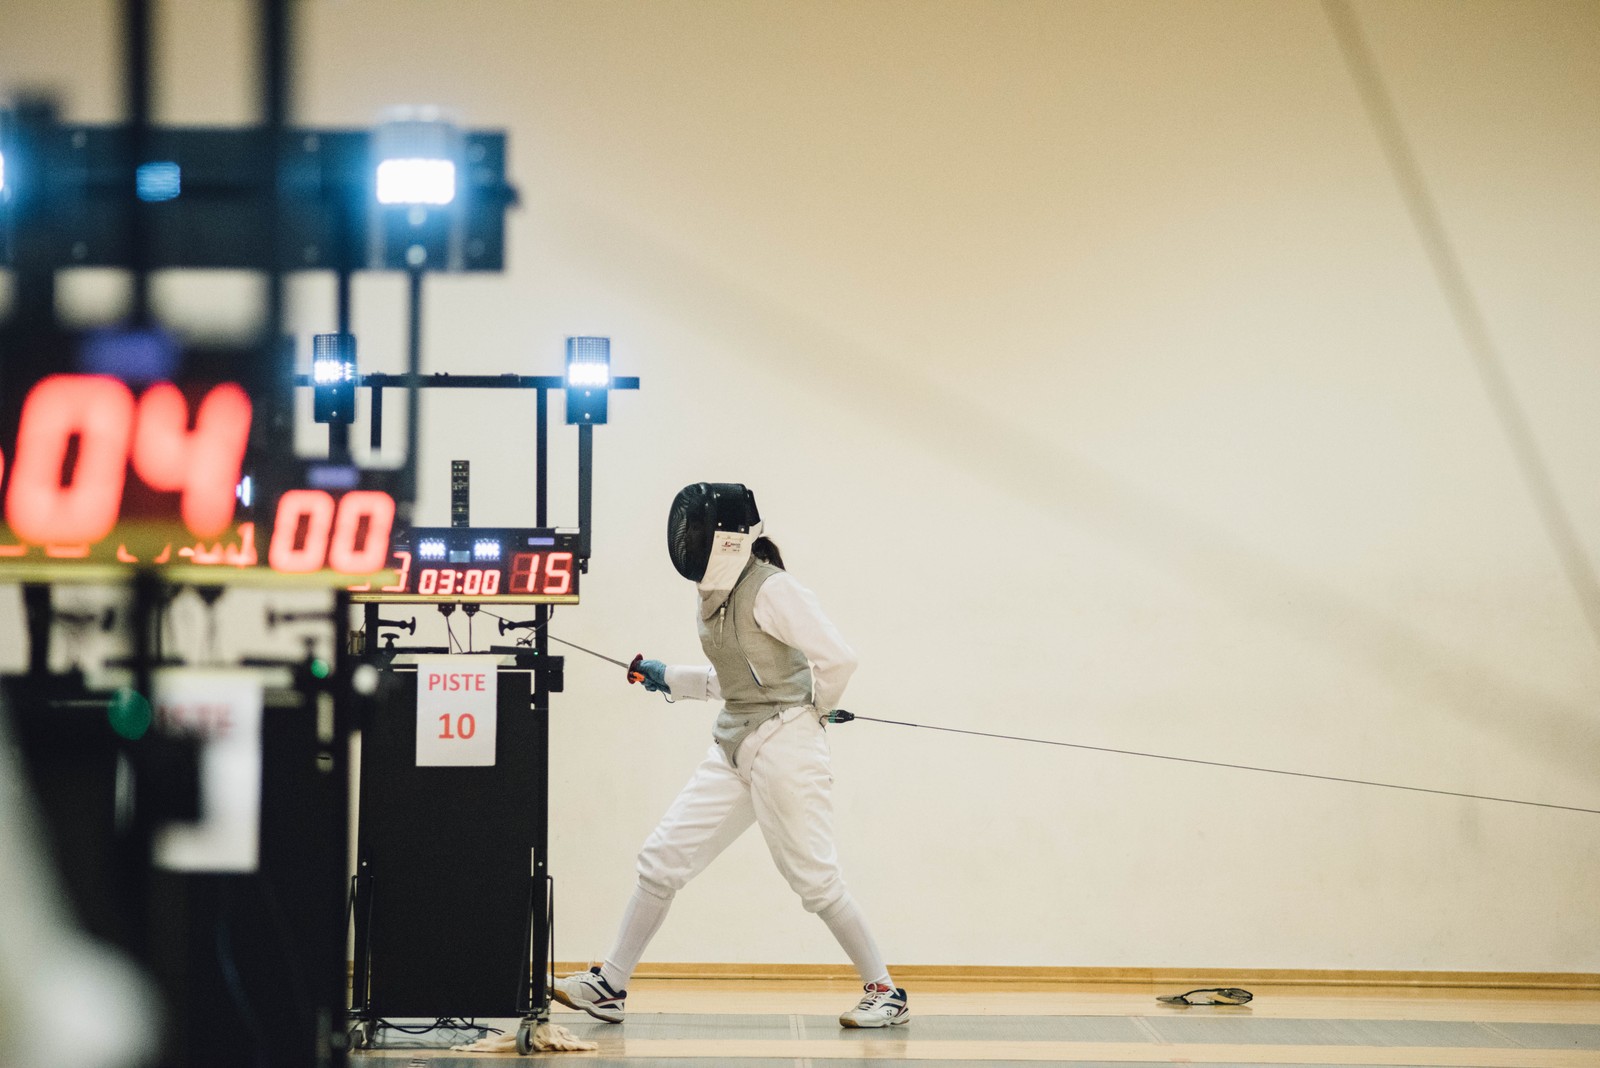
{"x":640,"y":922}
{"x":845,"y":919}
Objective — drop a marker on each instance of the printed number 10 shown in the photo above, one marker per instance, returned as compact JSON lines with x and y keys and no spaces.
{"x":465,"y":726}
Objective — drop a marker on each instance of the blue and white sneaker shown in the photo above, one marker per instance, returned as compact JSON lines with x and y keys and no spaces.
{"x":589,"y":992}
{"x":879,"y":1007}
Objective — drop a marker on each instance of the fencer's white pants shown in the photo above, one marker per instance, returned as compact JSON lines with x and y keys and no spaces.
{"x":782,"y":782}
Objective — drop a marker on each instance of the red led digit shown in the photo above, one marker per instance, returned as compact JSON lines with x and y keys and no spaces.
{"x":405,"y":573}
{"x":300,"y":531}
{"x":49,"y":504}
{"x":491,"y":582}
{"x":473,"y":583}
{"x":203,"y":463}
{"x":360,"y":543}
{"x":429,"y":581}
{"x":558,"y":573}
{"x":447,"y":582}
{"x":524,"y":570}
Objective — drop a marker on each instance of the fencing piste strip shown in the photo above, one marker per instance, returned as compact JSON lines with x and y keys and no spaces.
{"x":846,"y":717}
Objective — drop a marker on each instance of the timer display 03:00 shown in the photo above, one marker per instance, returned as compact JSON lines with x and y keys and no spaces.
{"x":530,"y":574}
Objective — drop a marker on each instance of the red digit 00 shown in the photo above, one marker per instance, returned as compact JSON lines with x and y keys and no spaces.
{"x":48,"y":504}
{"x":352,"y":536}
{"x":300,"y":531}
{"x":360,"y":542}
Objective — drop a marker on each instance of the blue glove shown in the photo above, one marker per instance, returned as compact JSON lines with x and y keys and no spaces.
{"x":655,"y":676}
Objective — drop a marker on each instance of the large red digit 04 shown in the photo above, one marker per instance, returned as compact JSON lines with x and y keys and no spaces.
{"x":300,"y":531}
{"x":203,"y":463}
{"x":49,"y":504}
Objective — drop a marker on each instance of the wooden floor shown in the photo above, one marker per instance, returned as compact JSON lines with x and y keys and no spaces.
{"x":720,"y":1024}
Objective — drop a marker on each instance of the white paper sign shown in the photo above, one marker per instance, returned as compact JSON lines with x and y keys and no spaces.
{"x":224,"y":709}
{"x":456,"y":710}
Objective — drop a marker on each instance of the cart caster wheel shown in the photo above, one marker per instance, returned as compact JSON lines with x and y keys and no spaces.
{"x":355,"y":1037}
{"x":361,"y":1034}
{"x":525,"y":1038}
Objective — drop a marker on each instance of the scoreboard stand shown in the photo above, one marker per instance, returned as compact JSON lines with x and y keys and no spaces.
{"x":452,"y":902}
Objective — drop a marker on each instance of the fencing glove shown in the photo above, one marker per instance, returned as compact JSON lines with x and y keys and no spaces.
{"x":655,"y":676}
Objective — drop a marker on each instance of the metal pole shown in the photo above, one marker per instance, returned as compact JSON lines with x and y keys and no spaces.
{"x":271,"y":385}
{"x":541,"y":461}
{"x":375,"y":419}
{"x":136,"y":85}
{"x":408,"y":490}
{"x":585,"y":491}
{"x":40,"y":615}
{"x":342,"y":282}
{"x":339,"y":433}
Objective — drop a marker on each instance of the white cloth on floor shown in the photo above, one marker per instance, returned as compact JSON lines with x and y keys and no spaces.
{"x":547,"y":1038}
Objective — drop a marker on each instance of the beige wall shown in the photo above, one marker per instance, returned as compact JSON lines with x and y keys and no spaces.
{"x":1087,"y":362}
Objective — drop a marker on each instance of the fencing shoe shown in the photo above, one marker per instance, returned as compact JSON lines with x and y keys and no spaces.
{"x":880,"y":1006}
{"x":589,"y":992}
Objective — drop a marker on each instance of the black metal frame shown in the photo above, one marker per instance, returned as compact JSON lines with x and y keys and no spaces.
{"x":75,"y":205}
{"x":518,"y":782}
{"x":300,"y":201}
{"x":548,"y":669}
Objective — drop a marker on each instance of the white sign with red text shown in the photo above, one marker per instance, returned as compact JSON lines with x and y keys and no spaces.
{"x":222,"y":708}
{"x":456,"y":710}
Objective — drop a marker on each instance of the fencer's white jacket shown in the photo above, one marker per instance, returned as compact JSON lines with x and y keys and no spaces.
{"x":787,"y":611}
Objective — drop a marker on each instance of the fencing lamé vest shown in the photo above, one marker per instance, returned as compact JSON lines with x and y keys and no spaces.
{"x":759,"y":675}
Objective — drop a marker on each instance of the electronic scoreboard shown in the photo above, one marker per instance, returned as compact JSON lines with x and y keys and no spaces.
{"x":99,"y":478}
{"x":479,"y":565}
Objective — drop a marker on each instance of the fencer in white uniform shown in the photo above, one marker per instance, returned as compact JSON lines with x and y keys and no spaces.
{"x":778,"y":664}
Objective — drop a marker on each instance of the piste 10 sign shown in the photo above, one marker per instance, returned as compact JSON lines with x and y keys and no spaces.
{"x":97,"y":475}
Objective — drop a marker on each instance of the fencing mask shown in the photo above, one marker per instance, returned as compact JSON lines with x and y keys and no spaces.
{"x":710,"y":530}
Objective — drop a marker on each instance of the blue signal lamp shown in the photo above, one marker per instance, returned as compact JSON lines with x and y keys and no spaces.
{"x":333,"y":378}
{"x":158,"y":181}
{"x":419,"y":187}
{"x":417,"y":153}
{"x":588,"y":379}
{"x":416,"y":182}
